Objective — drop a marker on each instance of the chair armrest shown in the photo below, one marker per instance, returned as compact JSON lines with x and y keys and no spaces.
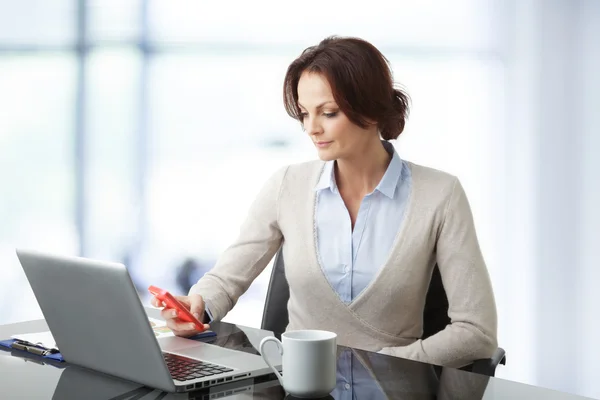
{"x":487,"y":366}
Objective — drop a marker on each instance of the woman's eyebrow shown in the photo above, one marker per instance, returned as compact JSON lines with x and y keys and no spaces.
{"x":319,"y":106}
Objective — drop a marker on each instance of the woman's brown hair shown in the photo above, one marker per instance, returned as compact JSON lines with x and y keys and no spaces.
{"x":361,"y":81}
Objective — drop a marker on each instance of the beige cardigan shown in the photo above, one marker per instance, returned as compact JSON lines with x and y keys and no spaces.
{"x":388,"y":315}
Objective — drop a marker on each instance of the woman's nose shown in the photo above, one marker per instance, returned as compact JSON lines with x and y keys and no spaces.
{"x":312,"y":127}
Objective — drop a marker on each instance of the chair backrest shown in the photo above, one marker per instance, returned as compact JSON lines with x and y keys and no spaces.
{"x":275,"y":314}
{"x":435,"y":313}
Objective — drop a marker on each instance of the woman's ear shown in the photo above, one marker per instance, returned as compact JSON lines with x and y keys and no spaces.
{"x":371,"y":122}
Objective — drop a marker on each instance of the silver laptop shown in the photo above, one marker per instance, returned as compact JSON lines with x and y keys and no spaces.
{"x":98,"y":322}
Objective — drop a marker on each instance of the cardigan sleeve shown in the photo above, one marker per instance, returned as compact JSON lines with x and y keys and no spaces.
{"x":471,"y":335}
{"x":237,"y":267}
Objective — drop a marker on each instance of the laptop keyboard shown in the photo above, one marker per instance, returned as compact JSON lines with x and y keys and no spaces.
{"x":184,"y":369}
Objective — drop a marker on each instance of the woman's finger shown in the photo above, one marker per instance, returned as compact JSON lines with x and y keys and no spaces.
{"x":156,"y":302}
{"x":168,"y":313}
{"x":178,"y":326}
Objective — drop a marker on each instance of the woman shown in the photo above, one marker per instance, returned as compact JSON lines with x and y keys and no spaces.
{"x":361,"y":229}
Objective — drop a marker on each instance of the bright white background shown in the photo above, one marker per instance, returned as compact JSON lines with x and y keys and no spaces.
{"x":143,"y":134}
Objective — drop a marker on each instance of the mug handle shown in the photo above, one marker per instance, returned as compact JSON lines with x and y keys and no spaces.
{"x":264,"y":357}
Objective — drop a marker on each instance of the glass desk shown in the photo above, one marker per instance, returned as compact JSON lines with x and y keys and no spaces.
{"x":361,"y":375}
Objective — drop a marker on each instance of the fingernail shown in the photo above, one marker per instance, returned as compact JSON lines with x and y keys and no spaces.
{"x":192,"y":326}
{"x":174,"y":313}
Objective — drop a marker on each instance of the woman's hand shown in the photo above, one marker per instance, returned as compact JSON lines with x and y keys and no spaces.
{"x":194,"y":303}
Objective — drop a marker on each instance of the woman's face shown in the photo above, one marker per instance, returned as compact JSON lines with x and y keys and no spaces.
{"x":332,"y":133}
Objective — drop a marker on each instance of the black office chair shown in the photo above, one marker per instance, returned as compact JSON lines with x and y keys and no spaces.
{"x":435,"y":315}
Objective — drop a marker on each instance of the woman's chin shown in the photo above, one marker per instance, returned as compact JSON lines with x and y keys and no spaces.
{"x":325,"y":155}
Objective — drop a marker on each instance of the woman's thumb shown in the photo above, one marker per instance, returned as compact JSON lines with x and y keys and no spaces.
{"x":197,"y":306}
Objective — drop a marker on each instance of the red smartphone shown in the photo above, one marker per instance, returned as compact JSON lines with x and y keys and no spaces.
{"x":171,"y":302}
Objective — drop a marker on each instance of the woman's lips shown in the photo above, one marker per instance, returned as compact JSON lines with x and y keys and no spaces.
{"x":322,"y":143}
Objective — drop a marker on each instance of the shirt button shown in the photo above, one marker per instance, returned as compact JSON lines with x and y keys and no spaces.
{"x":347,"y":386}
{"x":346,"y":269}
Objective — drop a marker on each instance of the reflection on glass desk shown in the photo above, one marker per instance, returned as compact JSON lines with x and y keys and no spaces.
{"x":360,"y":375}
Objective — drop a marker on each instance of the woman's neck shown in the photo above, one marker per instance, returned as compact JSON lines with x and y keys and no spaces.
{"x":361,"y":174}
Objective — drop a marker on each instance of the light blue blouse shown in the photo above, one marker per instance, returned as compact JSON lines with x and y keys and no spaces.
{"x":351,"y":259}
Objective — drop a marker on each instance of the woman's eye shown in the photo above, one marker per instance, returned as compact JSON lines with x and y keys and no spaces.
{"x":331,"y":114}
{"x":303,"y":115}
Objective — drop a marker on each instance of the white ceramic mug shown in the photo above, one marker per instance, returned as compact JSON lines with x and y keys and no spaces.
{"x":309,"y":362}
